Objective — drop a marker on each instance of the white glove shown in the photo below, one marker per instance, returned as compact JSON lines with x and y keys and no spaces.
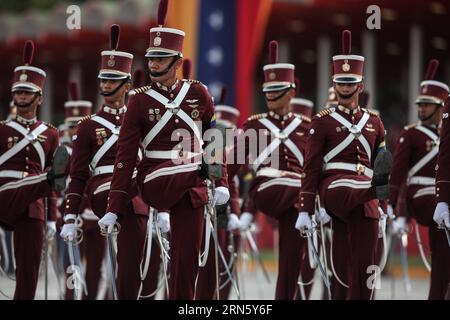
{"x":322,"y":216}
{"x":245,"y":220}
{"x":108,"y":221}
{"x":399,"y":225}
{"x":303,"y":222}
{"x":221,"y":196}
{"x":233,"y":222}
{"x":68,"y":231}
{"x":51,"y":230}
{"x":163,"y":222}
{"x":390,"y":212}
{"x":441,"y":214}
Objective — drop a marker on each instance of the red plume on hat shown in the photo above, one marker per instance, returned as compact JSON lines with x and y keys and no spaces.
{"x":346,"y":42}
{"x":114,"y":36}
{"x":187,"y":68}
{"x":162,"y":12}
{"x":431,"y":70}
{"x":73,"y":91}
{"x":273,"y":52}
{"x":138,"y":78}
{"x":28,"y":52}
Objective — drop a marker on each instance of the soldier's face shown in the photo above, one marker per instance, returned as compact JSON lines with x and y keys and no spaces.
{"x":279,"y":103}
{"x":161,"y":64}
{"x":348,"y":91}
{"x":107,"y":85}
{"x":22,"y":99}
{"x":72,"y":130}
{"x":426,"y":110}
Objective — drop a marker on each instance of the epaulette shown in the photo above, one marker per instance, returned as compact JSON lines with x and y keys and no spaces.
{"x":191,"y":80}
{"x":410,"y":126}
{"x":371,"y":112}
{"x":303,"y":117}
{"x":325,"y":112}
{"x":3,"y":122}
{"x":51,"y":126}
{"x":139,"y":90}
{"x":86,"y":118}
{"x":257,"y":116}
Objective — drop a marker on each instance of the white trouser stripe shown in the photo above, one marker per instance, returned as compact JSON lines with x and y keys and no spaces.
{"x":172,"y":170}
{"x":281,"y":182}
{"x":24,"y":182}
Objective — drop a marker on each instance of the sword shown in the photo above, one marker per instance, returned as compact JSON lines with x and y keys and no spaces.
{"x":447,"y":234}
{"x":421,"y":249}
{"x":225,"y":264}
{"x":255,"y":250}
{"x":404,"y":258}
{"x":319,"y":263}
{"x":164,"y":245}
{"x":112,"y":261}
{"x":75,"y":265}
{"x":148,"y":251}
{"x":46,"y":209}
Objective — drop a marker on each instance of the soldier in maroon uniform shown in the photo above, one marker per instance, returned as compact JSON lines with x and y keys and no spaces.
{"x":414,"y":164}
{"x":278,"y":166}
{"x":92,"y":164}
{"x":27,"y":146}
{"x":441,"y":214}
{"x":93,"y":246}
{"x":348,"y":166}
{"x":169,"y":117}
{"x":226,"y":117}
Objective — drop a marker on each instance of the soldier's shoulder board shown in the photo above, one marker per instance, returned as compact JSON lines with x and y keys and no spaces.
{"x":410,"y":126}
{"x":371,"y":112}
{"x":325,"y":112}
{"x":192,"y":81}
{"x":50,"y":126}
{"x":257,"y":116}
{"x":303,"y":117}
{"x":139,"y":90}
{"x":4,"y":122}
{"x":86,"y":118}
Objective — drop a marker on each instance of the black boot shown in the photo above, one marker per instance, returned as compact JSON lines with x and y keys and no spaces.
{"x":381,"y":170}
{"x":57,"y":174}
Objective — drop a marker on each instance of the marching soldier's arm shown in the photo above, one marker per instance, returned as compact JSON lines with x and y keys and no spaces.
{"x":239,"y":153}
{"x":443,"y":167}
{"x":79,"y":168}
{"x":127,"y":150}
{"x":400,"y":166}
{"x":234,"y":197}
{"x":54,"y":143}
{"x":313,"y":164}
{"x":209,"y":121}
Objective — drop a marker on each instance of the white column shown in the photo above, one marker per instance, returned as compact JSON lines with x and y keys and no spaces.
{"x":368,"y":51}
{"x":45,"y":110}
{"x":323,"y":71}
{"x":415,"y":69}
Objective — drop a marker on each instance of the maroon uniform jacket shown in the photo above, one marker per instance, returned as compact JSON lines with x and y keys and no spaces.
{"x":90,"y":168}
{"x":166,"y":122}
{"x":415,"y":161}
{"x":443,"y":166}
{"x":340,"y":142}
{"x":33,"y":158}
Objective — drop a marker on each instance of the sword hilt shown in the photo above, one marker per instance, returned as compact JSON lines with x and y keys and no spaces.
{"x":116,"y":230}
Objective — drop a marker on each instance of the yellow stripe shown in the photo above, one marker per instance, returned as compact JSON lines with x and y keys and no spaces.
{"x":382,"y":144}
{"x":183,"y":15}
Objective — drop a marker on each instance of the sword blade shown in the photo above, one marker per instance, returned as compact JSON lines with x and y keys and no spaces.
{"x":112,"y":264}
{"x":255,"y":250}
{"x":447,"y":235}
{"x":404,"y":259}
{"x":75,"y":266}
{"x":319,"y":263}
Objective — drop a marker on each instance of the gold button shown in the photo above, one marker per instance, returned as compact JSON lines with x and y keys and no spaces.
{"x":67,"y":207}
{"x":171,"y":95}
{"x":27,"y":148}
{"x":286,"y":157}
{"x":437,"y":189}
{"x":285,"y":150}
{"x":27,"y":167}
{"x":26,"y":158}
{"x":302,"y":198}
{"x":302,"y":205}
{"x":68,"y":201}
{"x":282,"y":123}
{"x":437,"y":194}
{"x":176,"y":120}
{"x":120,"y":165}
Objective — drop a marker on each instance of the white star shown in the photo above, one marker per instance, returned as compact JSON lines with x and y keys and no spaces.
{"x":215,"y":20}
{"x":215,"y":56}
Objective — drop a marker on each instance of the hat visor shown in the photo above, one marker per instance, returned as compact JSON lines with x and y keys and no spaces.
{"x":161,"y":54}
{"x":112,"y":76}
{"x":25,"y":87}
{"x":347,"y":79}
{"x":277,"y":87}
{"x":429,"y":100}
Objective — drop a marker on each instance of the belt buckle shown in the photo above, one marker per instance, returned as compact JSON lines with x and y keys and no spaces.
{"x":360,"y":169}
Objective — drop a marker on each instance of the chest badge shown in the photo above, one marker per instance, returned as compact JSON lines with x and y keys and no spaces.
{"x":195,"y":113}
